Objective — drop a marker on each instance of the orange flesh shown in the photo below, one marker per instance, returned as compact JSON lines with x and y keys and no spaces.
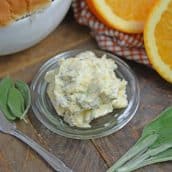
{"x":133,"y":8}
{"x":163,"y":35}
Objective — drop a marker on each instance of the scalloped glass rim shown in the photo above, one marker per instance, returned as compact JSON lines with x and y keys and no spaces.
{"x":104,"y":126}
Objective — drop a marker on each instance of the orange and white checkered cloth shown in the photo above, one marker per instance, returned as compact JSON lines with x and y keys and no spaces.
{"x":130,"y":46}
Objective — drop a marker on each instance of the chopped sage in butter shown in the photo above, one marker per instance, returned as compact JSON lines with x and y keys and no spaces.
{"x":14,"y":98}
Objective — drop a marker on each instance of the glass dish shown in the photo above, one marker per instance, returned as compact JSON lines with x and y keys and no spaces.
{"x":103,"y":126}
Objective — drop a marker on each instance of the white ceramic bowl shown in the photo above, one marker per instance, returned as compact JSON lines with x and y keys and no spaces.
{"x":30,"y":30}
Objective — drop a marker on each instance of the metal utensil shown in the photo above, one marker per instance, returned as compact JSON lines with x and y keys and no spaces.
{"x":10,"y":128}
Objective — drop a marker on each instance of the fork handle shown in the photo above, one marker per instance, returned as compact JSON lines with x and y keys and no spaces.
{"x":52,"y":160}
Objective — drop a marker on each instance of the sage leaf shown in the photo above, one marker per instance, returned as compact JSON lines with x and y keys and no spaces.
{"x":161,"y":157}
{"x":155,"y":145}
{"x":25,"y":91}
{"x":5,"y":86}
{"x":161,"y":126}
{"x":15,"y":102}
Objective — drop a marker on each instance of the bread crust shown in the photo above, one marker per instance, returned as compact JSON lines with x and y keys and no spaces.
{"x":11,"y":10}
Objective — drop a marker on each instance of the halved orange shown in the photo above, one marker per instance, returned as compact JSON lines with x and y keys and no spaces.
{"x":158,"y":38}
{"x":126,"y":15}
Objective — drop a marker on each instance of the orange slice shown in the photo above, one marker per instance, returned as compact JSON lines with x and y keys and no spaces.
{"x":158,"y":38}
{"x":126,"y":15}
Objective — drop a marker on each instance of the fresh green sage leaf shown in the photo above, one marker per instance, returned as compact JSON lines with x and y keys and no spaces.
{"x":155,"y":145}
{"x":162,"y":126}
{"x":161,"y":157}
{"x":16,"y":102}
{"x":6,"y":111}
{"x":25,"y":91}
{"x":5,"y":85}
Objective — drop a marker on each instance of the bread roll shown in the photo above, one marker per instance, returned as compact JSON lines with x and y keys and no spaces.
{"x":11,"y":10}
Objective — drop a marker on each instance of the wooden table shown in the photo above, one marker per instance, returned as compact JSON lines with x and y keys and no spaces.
{"x":82,"y":156}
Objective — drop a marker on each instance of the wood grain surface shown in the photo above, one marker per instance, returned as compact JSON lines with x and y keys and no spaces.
{"x":82,"y":156}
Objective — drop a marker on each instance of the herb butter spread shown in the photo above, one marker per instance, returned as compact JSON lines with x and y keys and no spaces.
{"x":85,"y":87}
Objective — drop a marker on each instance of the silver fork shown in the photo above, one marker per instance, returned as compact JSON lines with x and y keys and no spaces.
{"x":10,"y":128}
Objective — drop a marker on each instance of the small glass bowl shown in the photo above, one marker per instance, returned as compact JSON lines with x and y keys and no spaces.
{"x":102,"y":126}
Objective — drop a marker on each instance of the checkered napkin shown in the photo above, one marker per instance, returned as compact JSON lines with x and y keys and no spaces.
{"x":129,"y":46}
